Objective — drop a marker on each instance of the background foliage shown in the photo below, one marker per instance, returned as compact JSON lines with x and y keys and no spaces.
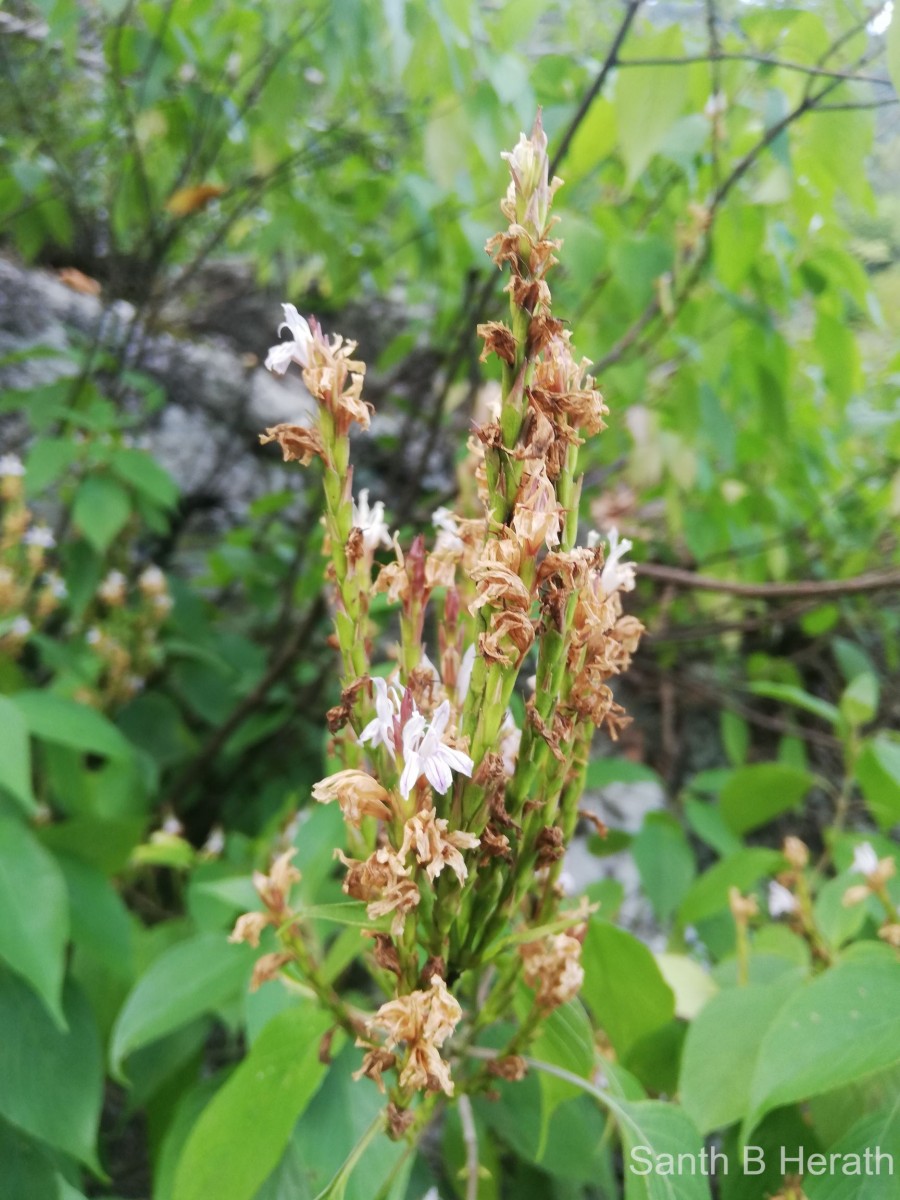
{"x":731,"y":239}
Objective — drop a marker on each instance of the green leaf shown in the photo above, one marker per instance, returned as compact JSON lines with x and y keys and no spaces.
{"x":137,"y":469}
{"x":709,"y":894}
{"x":51,"y":1082}
{"x":665,"y":862}
{"x":15,"y":755}
{"x":879,"y":1135}
{"x":100,"y":511}
{"x":27,"y":1169}
{"x":654,"y":1134}
{"x":603,"y":771}
{"x":567,"y":1041}
{"x":187,"y":980}
{"x":242,"y":1133}
{"x":47,"y":460}
{"x":853,"y":1010}
{"x":56,"y":719}
{"x":735,"y":737}
{"x":35,"y":923}
{"x":721,"y":1050}
{"x":754,"y":795}
{"x":623,"y":986}
{"x":692,"y":986}
{"x":859,"y":703}
{"x":878,"y":772}
{"x":788,"y":693}
{"x":648,"y":101}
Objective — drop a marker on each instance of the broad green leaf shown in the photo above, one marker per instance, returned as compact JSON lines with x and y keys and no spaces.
{"x":875,"y":1140}
{"x":567,"y":1041}
{"x":654,"y":1134}
{"x":665,"y":862}
{"x":623,"y":986}
{"x":27,"y":1169}
{"x":754,"y":795}
{"x":603,"y":771}
{"x":878,"y":772}
{"x":648,"y":101}
{"x":853,"y":1010}
{"x":788,"y":693}
{"x":48,"y":459}
{"x":709,"y":894}
{"x":100,"y":511}
{"x":137,"y":469}
{"x":187,"y":980}
{"x":54,"y":718}
{"x":721,"y":1049}
{"x":243,"y":1131}
{"x":35,"y":925}
{"x":51,"y":1082}
{"x":15,"y":755}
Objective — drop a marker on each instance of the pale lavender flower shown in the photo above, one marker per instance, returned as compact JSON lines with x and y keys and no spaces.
{"x":617,"y":575}
{"x":281,"y":356}
{"x":865,"y":860}
{"x":370,"y":521}
{"x":781,"y":901}
{"x":11,"y":466}
{"x":425,"y":754}
{"x":380,"y":730}
{"x":39,"y":535}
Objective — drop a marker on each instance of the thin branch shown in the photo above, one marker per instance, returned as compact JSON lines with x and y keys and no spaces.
{"x":862,"y":104}
{"x":611,"y":60}
{"x":804,"y":588}
{"x":686,"y":60}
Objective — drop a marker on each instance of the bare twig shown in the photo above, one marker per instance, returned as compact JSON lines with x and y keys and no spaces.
{"x":713,"y":56}
{"x":801,"y":589}
{"x":611,"y":60}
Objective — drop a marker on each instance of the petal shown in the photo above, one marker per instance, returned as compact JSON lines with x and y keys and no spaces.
{"x":295,"y":323}
{"x":411,"y":773}
{"x":438,"y":773}
{"x":457,"y":760}
{"x":280,"y":357}
{"x":440,"y":718}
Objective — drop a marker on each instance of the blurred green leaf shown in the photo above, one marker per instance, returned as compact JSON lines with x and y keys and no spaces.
{"x":754,"y":795}
{"x":56,"y":719}
{"x":189,"y":979}
{"x":15,"y":755}
{"x":51,"y":1081}
{"x":242,"y":1133}
{"x":100,"y":511}
{"x":35,"y":925}
{"x":623,"y":985}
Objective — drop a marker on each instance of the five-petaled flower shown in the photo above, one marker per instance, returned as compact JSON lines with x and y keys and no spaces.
{"x":380,"y":730}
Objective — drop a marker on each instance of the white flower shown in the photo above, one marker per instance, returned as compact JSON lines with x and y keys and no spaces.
{"x":56,"y":585}
{"x":151,"y":580}
{"x":781,"y":902}
{"x":865,"y":860}
{"x":21,"y":627}
{"x":617,"y":574}
{"x":172,"y":826}
{"x":39,"y":535}
{"x":11,"y":466}
{"x":380,"y":730}
{"x":112,"y":589}
{"x":281,"y":356}
{"x":370,"y":521}
{"x":448,"y":539}
{"x":93,"y":637}
{"x":425,"y":754}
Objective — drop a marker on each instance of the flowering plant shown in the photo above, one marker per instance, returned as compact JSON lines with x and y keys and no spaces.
{"x":457,"y":820}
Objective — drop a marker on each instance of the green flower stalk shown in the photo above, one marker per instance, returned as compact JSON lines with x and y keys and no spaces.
{"x":465,"y":816}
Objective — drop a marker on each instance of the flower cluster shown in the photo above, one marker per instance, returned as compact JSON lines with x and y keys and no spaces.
{"x":31,"y":590}
{"x":457,"y":814}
